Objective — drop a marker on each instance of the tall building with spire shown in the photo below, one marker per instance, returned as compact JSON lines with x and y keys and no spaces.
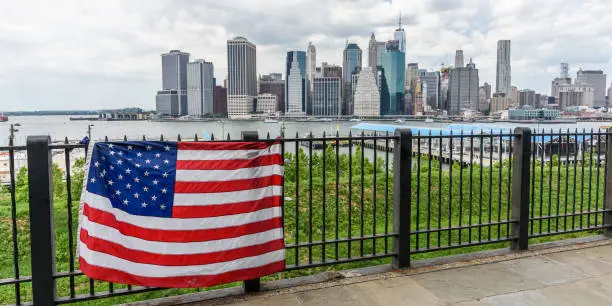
{"x":372,"y":52}
{"x":400,"y":35}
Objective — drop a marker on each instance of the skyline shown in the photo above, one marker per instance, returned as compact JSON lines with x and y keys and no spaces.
{"x":102,"y":55}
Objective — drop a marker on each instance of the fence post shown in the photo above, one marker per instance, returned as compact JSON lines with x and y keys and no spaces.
{"x":402,"y":192}
{"x":520,"y":189}
{"x":251,"y":285}
{"x":607,"y":219}
{"x":41,"y":219}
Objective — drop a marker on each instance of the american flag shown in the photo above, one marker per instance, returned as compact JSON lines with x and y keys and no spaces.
{"x":181,"y":214}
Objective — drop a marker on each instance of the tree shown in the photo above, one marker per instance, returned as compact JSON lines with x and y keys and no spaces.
{"x":21,"y":185}
{"x":76,"y":178}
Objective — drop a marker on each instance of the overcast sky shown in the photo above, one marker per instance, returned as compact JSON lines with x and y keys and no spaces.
{"x":106,"y":54}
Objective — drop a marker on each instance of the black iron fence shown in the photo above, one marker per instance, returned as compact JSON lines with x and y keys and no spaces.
{"x":347,"y":200}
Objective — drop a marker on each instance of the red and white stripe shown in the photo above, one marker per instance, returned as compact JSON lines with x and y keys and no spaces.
{"x":226,"y":224}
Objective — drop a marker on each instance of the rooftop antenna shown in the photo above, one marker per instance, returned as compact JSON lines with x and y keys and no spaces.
{"x":399,"y":23}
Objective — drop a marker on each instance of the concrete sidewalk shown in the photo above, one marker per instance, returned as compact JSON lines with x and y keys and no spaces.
{"x":575,"y":277}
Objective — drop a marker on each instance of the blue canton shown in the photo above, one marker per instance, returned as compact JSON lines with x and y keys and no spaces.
{"x":137,"y":176}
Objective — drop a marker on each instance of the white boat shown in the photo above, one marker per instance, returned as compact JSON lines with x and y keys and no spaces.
{"x":270,"y":120}
{"x":355,"y":120}
{"x":429,"y":120}
{"x":399,"y":121}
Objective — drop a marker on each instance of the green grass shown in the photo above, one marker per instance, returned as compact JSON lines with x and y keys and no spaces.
{"x":454,"y":202}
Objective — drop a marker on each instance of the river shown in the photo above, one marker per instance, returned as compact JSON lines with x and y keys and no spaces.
{"x":59,"y":127}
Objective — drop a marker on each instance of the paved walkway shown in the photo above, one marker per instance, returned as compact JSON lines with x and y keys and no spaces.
{"x":576,"y":277}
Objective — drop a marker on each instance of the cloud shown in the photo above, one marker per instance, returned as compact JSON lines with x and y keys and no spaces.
{"x":106,"y":53}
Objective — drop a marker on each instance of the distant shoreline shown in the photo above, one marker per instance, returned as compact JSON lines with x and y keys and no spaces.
{"x":50,"y":113}
{"x":94,"y":117}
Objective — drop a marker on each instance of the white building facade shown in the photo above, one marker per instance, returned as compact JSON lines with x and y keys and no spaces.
{"x":296,"y":84}
{"x":367,"y":94}
{"x":266,"y":103}
{"x":241,"y":67}
{"x":239,"y":106}
{"x":576,"y":95}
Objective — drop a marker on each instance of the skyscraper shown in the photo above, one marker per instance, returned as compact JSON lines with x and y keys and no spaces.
{"x":200,"y":88}
{"x":463,"y":89}
{"x":487,"y":90}
{"x":400,"y":36}
{"x":444,"y":82}
{"x":220,"y":100}
{"x":295,"y":83}
{"x":167,"y":102}
{"x":392,"y":83}
{"x":311,"y":65}
{"x":273,"y":84}
{"x":609,"y":95}
{"x":327,"y":96}
{"x":172,"y":99}
{"x":527,"y":97}
{"x":241,"y":76}
{"x":459,"y":59}
{"x":372,"y":52}
{"x":351,"y":65}
{"x":503,"y":77}
{"x":431,"y":80}
{"x":381,"y":47}
{"x":483,"y":102}
{"x":412,"y":72}
{"x":241,"y":67}
{"x":174,"y":70}
{"x":513,"y":95}
{"x":597,"y":79}
{"x":367,"y":94}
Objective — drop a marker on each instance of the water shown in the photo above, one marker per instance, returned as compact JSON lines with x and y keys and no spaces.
{"x":59,"y":127}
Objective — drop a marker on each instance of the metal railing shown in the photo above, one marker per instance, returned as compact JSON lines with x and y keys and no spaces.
{"x":354,"y":199}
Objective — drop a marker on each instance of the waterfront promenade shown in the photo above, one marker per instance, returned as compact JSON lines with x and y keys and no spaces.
{"x":573,"y":274}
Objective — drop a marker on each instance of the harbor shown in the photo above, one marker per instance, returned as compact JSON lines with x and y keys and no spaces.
{"x":467,"y":145}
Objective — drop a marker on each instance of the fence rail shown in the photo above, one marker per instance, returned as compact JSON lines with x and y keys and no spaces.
{"x":346,"y":200}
